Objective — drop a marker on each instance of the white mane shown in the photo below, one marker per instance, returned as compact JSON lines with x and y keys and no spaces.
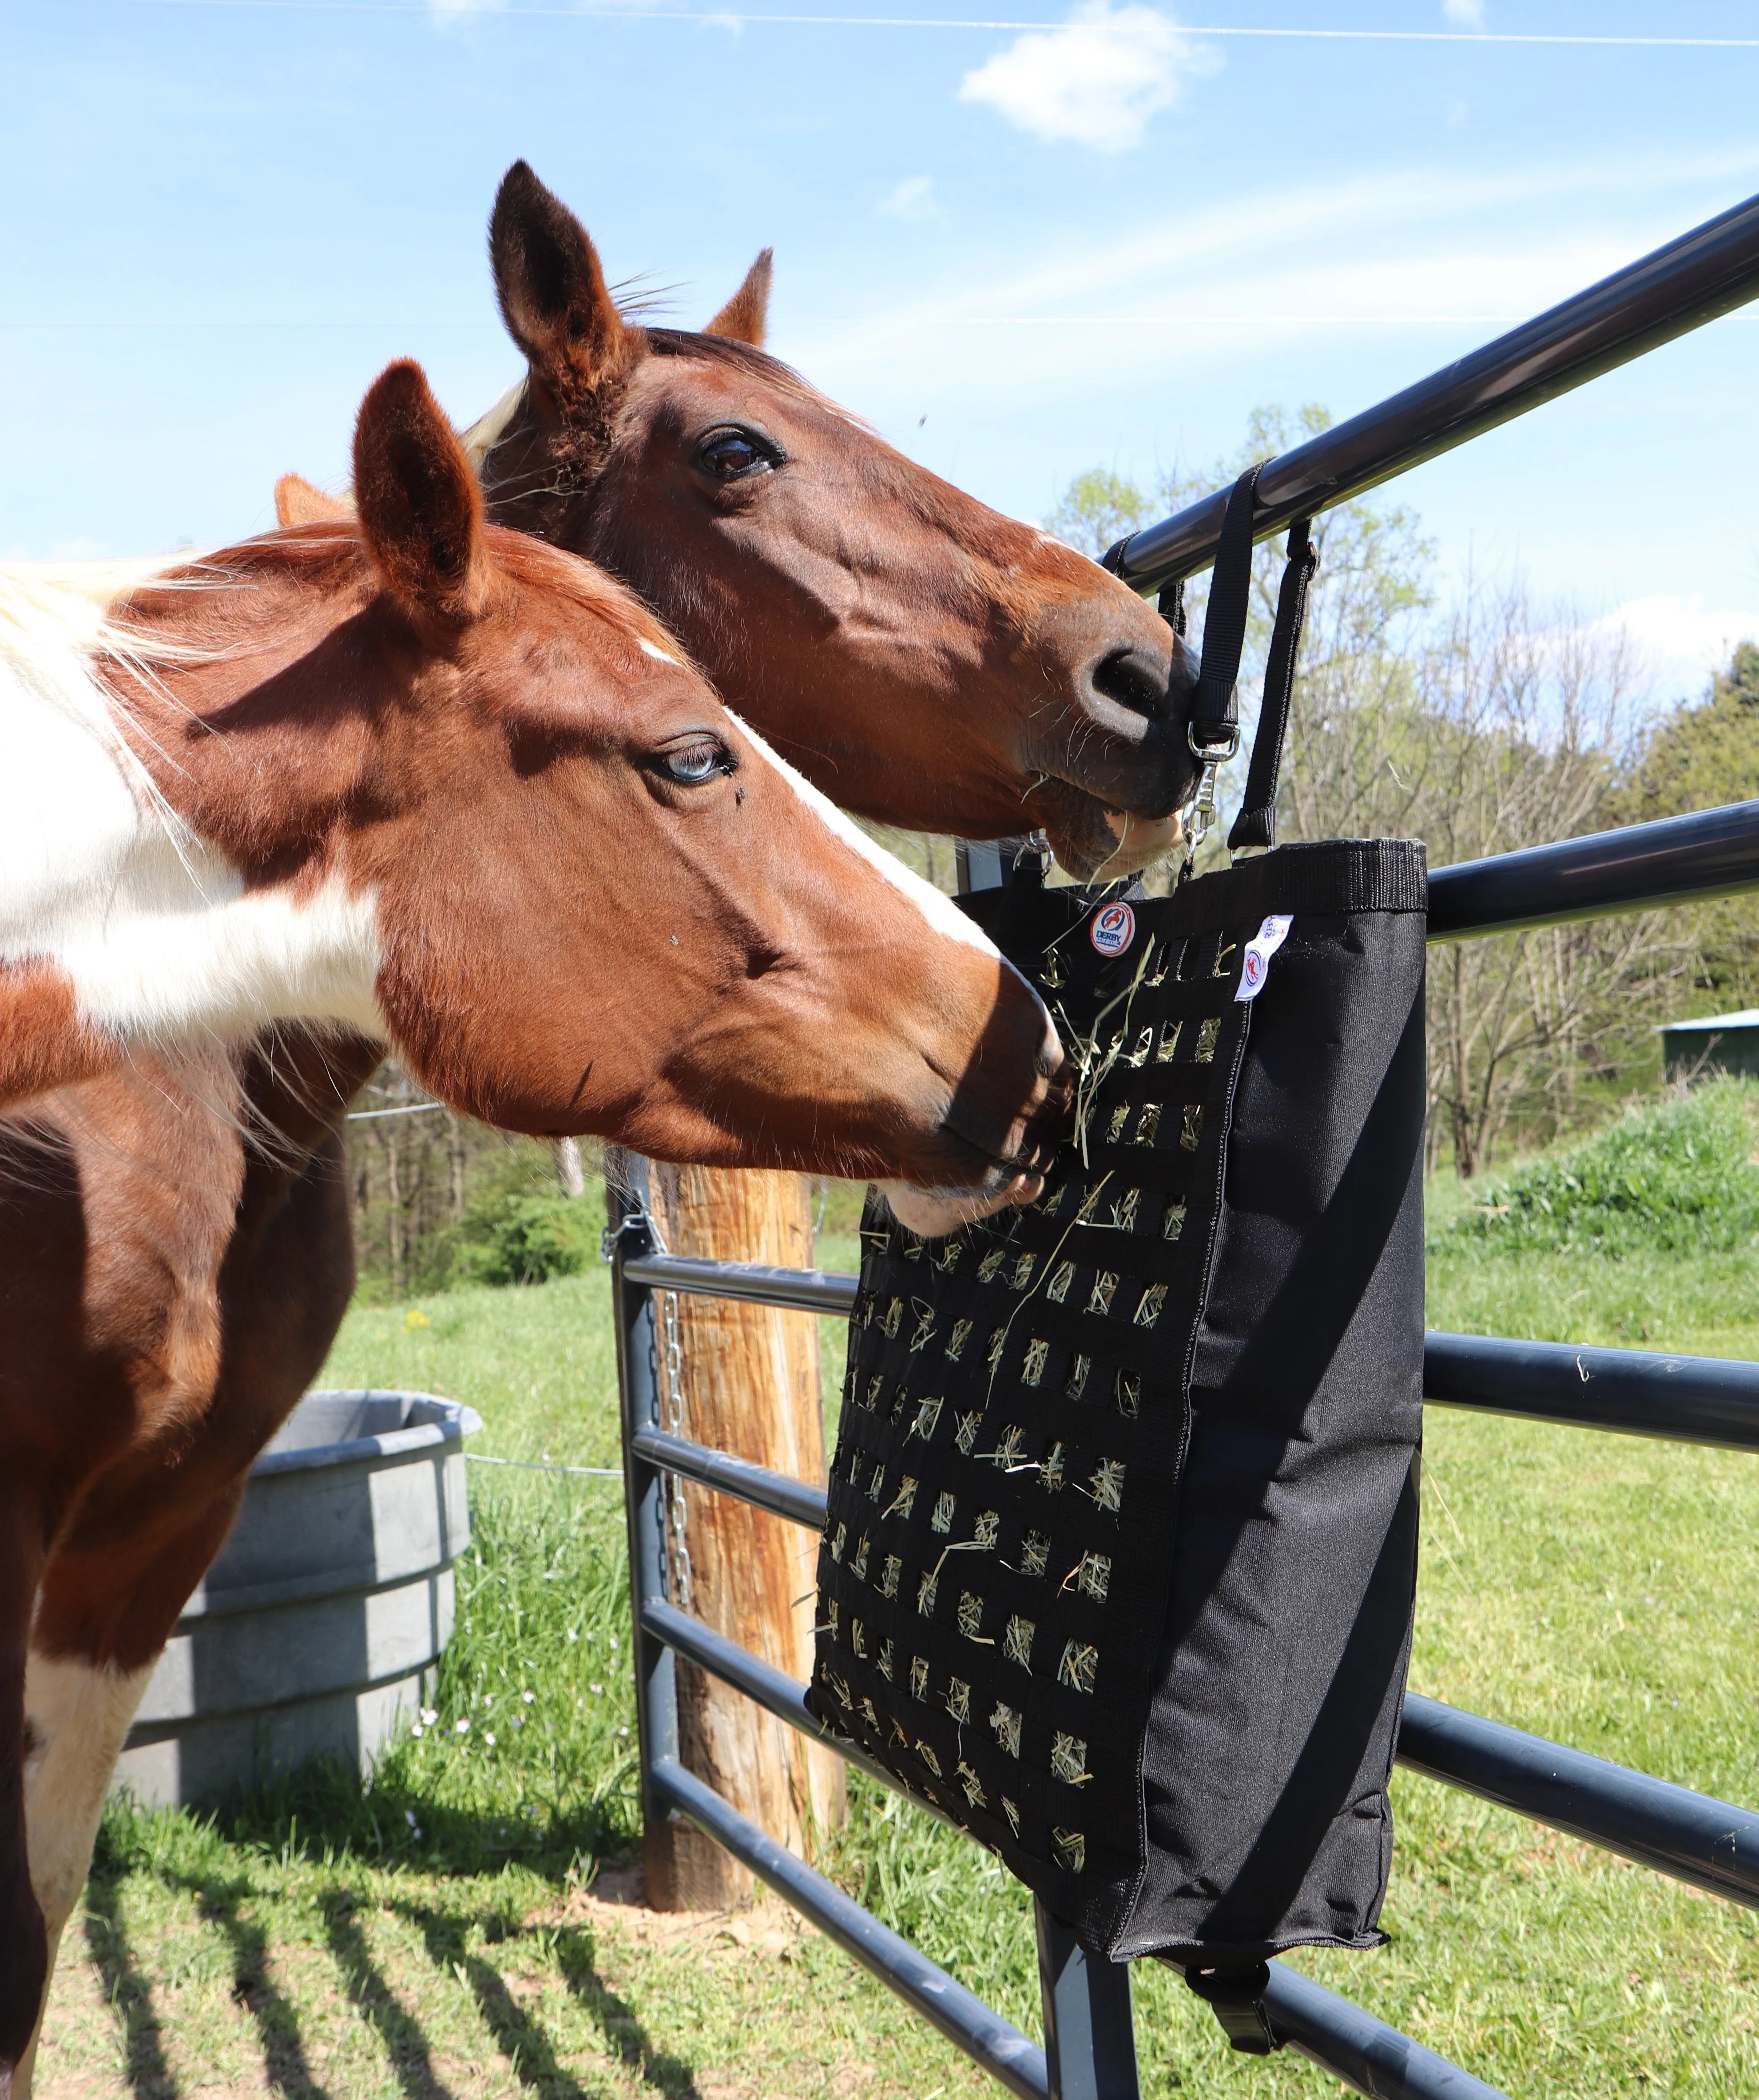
{"x":98,"y":873}
{"x":489,"y":429}
{"x":53,"y":620}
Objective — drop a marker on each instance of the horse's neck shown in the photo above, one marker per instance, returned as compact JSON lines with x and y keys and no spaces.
{"x":151,"y":928}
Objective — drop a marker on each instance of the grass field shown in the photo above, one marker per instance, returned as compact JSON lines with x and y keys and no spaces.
{"x":465,"y":1925}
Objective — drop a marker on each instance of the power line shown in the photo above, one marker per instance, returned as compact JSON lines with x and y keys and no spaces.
{"x":530,"y":1466}
{"x":861,"y":321}
{"x":731,"y":18}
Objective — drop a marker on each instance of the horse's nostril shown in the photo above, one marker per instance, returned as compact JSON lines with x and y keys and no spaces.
{"x":1133,"y":678}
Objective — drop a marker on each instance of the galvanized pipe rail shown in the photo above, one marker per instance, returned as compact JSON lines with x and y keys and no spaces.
{"x":1692,"y":1837}
{"x":1089,"y":2053}
{"x":967,"y":2021}
{"x":1089,"y":2028}
{"x":1712,"y":853}
{"x":1634,"y":1392}
{"x":1314,"y":2021}
{"x":1705,"y":273}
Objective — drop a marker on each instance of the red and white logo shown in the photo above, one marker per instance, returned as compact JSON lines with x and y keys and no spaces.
{"x":1255,"y":964}
{"x":1114,"y":928}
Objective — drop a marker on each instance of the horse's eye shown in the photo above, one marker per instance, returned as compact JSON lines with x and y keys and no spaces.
{"x":693,"y":763}
{"x":731,"y":455}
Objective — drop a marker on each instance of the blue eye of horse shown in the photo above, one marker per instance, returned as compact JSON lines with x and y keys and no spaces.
{"x":730,"y":455}
{"x":694,"y":763}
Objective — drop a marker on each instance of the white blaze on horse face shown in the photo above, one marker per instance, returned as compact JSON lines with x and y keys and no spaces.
{"x":942,"y":915}
{"x":76,"y":1716}
{"x":153,"y":925}
{"x":944,"y":1209}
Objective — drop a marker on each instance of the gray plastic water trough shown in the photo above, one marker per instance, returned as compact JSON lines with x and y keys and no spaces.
{"x":317,"y":1629}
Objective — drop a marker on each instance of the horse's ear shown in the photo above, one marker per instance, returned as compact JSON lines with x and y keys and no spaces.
{"x":420,"y":509}
{"x":297,"y":502}
{"x":552,"y":294}
{"x":745,"y":315}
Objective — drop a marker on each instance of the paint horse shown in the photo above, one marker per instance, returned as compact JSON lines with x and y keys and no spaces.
{"x":454,"y":791}
{"x":959,"y":669}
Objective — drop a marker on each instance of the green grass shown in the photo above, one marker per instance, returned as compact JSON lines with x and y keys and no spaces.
{"x":440,"y":1932}
{"x":1673,"y":1177}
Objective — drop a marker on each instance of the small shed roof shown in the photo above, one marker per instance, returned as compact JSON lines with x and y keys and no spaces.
{"x":1712,"y":1024}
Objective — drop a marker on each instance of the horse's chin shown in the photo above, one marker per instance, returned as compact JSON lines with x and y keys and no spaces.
{"x":1096,"y":843}
{"x":936,"y":1212}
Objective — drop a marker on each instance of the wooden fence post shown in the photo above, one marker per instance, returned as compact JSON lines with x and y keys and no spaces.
{"x":749,"y":1384}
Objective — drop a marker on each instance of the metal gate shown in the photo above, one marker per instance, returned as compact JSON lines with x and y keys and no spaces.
{"x":1090,"y":2044}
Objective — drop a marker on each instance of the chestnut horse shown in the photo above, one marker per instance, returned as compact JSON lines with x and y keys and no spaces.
{"x":957,"y":669}
{"x":987,"y":679}
{"x":432,"y":781}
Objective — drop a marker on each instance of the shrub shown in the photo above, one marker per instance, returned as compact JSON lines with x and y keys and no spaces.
{"x":530,"y":1238}
{"x":1675,"y":1177}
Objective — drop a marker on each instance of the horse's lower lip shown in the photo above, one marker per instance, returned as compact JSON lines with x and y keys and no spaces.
{"x":999,"y":1173}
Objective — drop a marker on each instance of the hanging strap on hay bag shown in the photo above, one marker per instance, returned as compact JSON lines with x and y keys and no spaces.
{"x":1255,"y":826}
{"x":1121,"y":1551}
{"x":1214,"y":732}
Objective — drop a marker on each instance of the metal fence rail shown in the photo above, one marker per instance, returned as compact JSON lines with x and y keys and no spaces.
{"x":1708,"y":271}
{"x":1090,"y":2052}
{"x":1640,"y":1392}
{"x":1091,"y":2046}
{"x":1691,"y":1836}
{"x":1708,"y":1843}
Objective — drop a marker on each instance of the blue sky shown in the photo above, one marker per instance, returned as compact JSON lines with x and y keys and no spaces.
{"x":1020,"y":252}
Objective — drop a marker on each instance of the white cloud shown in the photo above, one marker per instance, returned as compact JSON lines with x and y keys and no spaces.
{"x":1096,"y":81}
{"x":912,"y":199}
{"x":1682,"y":641}
{"x":1465,"y":14}
{"x":452,"y":10}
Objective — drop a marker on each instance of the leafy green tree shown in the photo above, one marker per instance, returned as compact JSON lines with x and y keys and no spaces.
{"x":1480,"y":724}
{"x":1694,"y":758}
{"x":1097,"y":510}
{"x":1697,"y":757}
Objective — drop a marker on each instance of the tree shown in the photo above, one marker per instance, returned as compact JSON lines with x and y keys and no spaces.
{"x":1697,"y":757}
{"x":1694,"y":758}
{"x":1097,"y":510}
{"x":1481,"y":724}
{"x":1519,"y":713}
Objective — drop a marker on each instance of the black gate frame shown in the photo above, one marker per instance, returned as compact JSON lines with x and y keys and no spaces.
{"x":1090,"y":2043}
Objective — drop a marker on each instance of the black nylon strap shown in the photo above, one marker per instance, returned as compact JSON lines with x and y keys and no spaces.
{"x":1237,"y":1997}
{"x":1215,"y":712}
{"x":1256,"y":823}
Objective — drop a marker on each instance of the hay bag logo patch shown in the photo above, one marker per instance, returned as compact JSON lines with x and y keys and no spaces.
{"x":1114,"y":928}
{"x":1255,"y":965}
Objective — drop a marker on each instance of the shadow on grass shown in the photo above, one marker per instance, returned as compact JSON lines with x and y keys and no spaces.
{"x":575,"y":1954}
{"x":446,"y":1935}
{"x":128,"y":1992}
{"x":220,"y":1904}
{"x":455,"y":1936}
{"x":405,"y":2043}
{"x":325,"y":1810}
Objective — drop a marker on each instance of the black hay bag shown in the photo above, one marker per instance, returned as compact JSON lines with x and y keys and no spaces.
{"x":1122,"y":1548}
